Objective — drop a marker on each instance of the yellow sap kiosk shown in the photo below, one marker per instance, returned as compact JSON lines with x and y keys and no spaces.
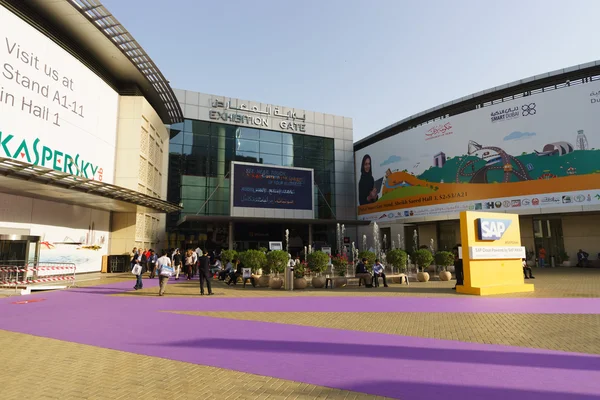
{"x":492,"y":254}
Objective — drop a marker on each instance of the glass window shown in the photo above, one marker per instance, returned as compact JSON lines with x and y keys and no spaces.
{"x":297,"y":140}
{"x":288,"y":161}
{"x":193,"y":192}
{"x":246,"y":146}
{"x":270,"y":136}
{"x":247,"y":133}
{"x":195,"y":165}
{"x":175,"y":148}
{"x":176,"y":137}
{"x":288,"y":150}
{"x":328,"y":150}
{"x":249,"y":157}
{"x":187,"y":149}
{"x":188,"y":138}
{"x":287,"y":138}
{"x":200,"y":150}
{"x":313,"y":142}
{"x":200,"y":140}
{"x":194,"y":126}
{"x":271,"y":159}
{"x":270,"y":148}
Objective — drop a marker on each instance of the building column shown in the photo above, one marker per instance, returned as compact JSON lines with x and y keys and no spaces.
{"x":231,"y":241}
{"x":310,"y":236}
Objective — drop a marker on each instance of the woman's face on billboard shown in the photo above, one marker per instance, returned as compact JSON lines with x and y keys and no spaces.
{"x":367,"y":165}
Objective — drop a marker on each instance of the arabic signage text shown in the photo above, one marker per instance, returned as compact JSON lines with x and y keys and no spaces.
{"x":254,"y":116}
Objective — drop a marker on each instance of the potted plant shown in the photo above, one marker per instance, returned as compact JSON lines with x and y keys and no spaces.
{"x":299,"y":280}
{"x":277,"y":260}
{"x":397,"y":258}
{"x":340,"y":267}
{"x":423,"y":258}
{"x":444,"y":259}
{"x":564,"y":258}
{"x":317,"y":262}
{"x":253,"y":259}
{"x":228,"y":256}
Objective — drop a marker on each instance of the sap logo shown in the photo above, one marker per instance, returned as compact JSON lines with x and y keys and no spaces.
{"x":492,"y":229}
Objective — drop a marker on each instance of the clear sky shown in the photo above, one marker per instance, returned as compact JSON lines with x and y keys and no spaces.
{"x":376,"y":61}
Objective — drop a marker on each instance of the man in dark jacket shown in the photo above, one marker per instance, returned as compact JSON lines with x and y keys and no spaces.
{"x":363,"y":274}
{"x":204,"y":272}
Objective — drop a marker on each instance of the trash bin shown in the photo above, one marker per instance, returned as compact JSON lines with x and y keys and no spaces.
{"x":553,"y":261}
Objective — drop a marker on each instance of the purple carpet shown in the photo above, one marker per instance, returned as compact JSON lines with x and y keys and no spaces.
{"x":378,"y":364}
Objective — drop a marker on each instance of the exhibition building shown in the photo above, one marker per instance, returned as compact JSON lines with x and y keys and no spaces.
{"x":83,"y":141}
{"x":529,"y":147}
{"x":250,"y":174}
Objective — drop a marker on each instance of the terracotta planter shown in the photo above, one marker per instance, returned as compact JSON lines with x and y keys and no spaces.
{"x":340,"y":281}
{"x":423,"y":276}
{"x":300,"y":283}
{"x":263,"y":281}
{"x":318,"y":282}
{"x":275,"y":283}
{"x":445,"y":276}
{"x":566,"y":264}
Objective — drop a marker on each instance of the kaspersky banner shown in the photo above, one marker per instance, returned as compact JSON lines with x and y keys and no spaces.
{"x":536,"y":151}
{"x":54,"y":111}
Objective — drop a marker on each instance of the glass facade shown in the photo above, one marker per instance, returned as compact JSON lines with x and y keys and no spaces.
{"x":200,"y":159}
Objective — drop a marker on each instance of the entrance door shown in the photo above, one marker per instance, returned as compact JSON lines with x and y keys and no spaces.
{"x":13,"y":252}
{"x":548,"y":233}
{"x":18,"y":251}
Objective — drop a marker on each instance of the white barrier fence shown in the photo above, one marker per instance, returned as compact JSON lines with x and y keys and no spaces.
{"x":12,"y":276}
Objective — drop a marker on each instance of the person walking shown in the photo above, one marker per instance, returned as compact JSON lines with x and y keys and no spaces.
{"x":177,"y":263}
{"x":135,"y":260}
{"x":152,"y":263}
{"x":189,"y":264}
{"x":163,"y":265}
{"x":204,"y":272}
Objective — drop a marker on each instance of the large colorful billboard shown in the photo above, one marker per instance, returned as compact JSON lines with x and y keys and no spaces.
{"x":537,"y":151}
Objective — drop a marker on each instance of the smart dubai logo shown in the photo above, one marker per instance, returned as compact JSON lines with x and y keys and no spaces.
{"x":528,"y":109}
{"x":525,"y":110}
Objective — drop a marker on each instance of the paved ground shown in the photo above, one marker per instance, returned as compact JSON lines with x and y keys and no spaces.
{"x":104,"y":341}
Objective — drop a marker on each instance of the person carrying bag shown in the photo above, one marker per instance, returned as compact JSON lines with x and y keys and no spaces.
{"x":165,"y":271}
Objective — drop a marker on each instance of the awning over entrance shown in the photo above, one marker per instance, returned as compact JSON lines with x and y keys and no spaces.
{"x":23,"y":179}
{"x":190,"y":221}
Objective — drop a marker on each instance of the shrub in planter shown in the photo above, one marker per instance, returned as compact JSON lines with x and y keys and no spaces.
{"x":370,"y":256}
{"x":444,"y":259}
{"x":397,"y":258}
{"x":423,"y":258}
{"x":253,"y":259}
{"x":340,"y":268}
{"x":277,"y":260}
{"x":299,"y":281}
{"x":340,"y":265}
{"x":228,"y":256}
{"x":317,"y":263}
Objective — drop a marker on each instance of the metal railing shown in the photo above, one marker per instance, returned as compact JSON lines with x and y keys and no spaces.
{"x":19,"y":274}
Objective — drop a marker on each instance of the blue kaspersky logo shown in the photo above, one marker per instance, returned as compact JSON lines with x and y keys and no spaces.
{"x":492,"y":228}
